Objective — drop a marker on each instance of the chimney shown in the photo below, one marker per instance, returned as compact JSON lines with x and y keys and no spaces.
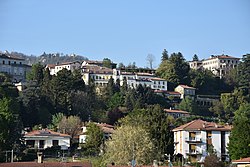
{"x":203,"y":125}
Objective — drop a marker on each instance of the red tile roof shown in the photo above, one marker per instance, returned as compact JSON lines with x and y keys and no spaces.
{"x":243,"y":160}
{"x":45,"y":132}
{"x":176,"y":111}
{"x":157,"y":79}
{"x":187,"y":87}
{"x":223,"y":57}
{"x":203,"y":125}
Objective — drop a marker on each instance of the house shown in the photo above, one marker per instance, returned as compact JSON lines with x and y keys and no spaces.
{"x":14,"y":66}
{"x":244,"y":162}
{"x":185,"y":90}
{"x":219,"y":65}
{"x":193,"y":139}
{"x":172,"y":96}
{"x":46,"y":138}
{"x":71,"y":66}
{"x":97,"y":63}
{"x":106,"y":128}
{"x":177,"y":113}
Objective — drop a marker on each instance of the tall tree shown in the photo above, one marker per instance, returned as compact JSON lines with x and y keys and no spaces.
{"x":128,"y":143}
{"x":244,"y":74}
{"x":94,"y":139}
{"x":174,"y":70}
{"x":240,"y":136}
{"x":195,"y":57}
{"x":164,"y":55}
{"x":188,"y":104}
{"x":150,"y":59}
{"x":158,"y":125}
{"x":36,"y":73}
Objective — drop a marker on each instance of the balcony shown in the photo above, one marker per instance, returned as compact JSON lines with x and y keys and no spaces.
{"x":193,"y":152}
{"x":193,"y":140}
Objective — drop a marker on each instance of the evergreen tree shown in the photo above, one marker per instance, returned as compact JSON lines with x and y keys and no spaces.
{"x":240,"y":136}
{"x":164,"y":55}
{"x":195,"y":58}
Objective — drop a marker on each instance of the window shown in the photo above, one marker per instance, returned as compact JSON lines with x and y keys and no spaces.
{"x":20,"y":63}
{"x":30,"y":143}
{"x":3,"y":62}
{"x":55,"y":142}
{"x":9,"y":62}
{"x":41,"y":143}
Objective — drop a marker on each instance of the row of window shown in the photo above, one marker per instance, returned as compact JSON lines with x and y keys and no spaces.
{"x":9,"y":62}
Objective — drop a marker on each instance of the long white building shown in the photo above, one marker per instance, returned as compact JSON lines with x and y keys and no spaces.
{"x":101,"y":75}
{"x":218,"y":65}
{"x":193,"y":139}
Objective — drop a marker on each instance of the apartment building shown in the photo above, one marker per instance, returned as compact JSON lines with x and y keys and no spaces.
{"x":219,"y":65}
{"x":14,"y":66}
{"x":193,"y":139}
{"x":185,"y":90}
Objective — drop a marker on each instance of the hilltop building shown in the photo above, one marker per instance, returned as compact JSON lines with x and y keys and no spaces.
{"x":14,"y":66}
{"x":185,"y":90}
{"x":193,"y":139}
{"x":55,"y":68}
{"x":219,"y":65}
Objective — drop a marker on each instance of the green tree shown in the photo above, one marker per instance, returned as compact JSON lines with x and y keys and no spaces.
{"x":164,"y":55}
{"x":244,"y":74}
{"x":195,"y":58}
{"x":158,"y":125}
{"x":106,"y":62}
{"x":188,"y":104}
{"x":174,"y":70}
{"x":128,"y":143}
{"x":36,"y":73}
{"x":213,"y":161}
{"x":240,"y":135}
{"x":94,"y":139}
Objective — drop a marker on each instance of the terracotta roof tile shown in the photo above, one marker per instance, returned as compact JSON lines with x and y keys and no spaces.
{"x":45,"y":132}
{"x":176,"y":111}
{"x":243,"y":160}
{"x":203,"y":125}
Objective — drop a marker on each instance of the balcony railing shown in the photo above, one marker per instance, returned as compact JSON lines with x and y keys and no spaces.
{"x":193,"y":139}
{"x":193,"y":152}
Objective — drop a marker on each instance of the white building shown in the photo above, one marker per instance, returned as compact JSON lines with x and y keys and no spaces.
{"x":14,"y":66}
{"x":219,"y":65}
{"x":177,"y":113}
{"x":42,"y":139}
{"x":194,"y":138}
{"x":101,"y":75}
{"x":71,"y":66}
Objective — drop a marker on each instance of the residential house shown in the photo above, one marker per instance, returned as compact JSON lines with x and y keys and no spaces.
{"x":185,"y":90}
{"x":71,"y":66}
{"x":193,"y":139}
{"x":219,"y":65}
{"x":14,"y":66}
{"x":46,"y":138}
{"x":106,"y":128}
{"x":97,"y":63}
{"x":173,"y":97}
{"x":177,"y":113}
{"x":243,"y":162}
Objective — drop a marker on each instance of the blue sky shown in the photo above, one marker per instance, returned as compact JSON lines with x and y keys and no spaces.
{"x":126,"y":31}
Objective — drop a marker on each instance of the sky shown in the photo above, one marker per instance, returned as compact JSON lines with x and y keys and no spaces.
{"x":126,"y":31}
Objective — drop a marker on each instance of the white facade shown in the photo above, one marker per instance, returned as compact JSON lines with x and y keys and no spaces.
{"x":71,"y":66}
{"x":101,"y":76}
{"x":185,"y":90}
{"x":42,"y":139}
{"x":192,"y":141}
{"x":218,"y":65}
{"x":14,"y":67}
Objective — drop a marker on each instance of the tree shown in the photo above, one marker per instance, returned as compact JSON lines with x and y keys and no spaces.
{"x":157,"y":124}
{"x":244,"y":74}
{"x":128,"y":143}
{"x":188,"y":104}
{"x":174,"y":70}
{"x":195,"y":58}
{"x":150,"y":59}
{"x":240,"y":135}
{"x":69,"y":125}
{"x":56,"y":119}
{"x":121,"y":65}
{"x":94,"y":139}
{"x":36,"y":73}
{"x":213,"y":161}
{"x":106,"y":62}
{"x":164,"y":55}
